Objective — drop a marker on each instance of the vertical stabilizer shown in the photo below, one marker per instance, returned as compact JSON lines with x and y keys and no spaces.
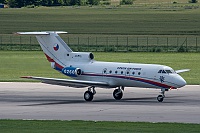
{"x":52,"y":45}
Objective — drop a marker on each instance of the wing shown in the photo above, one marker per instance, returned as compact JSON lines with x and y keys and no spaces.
{"x":68,"y":82}
{"x":183,"y":70}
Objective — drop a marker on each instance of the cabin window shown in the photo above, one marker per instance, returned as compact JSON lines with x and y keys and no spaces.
{"x":104,"y":71}
{"x":139,"y":73}
{"x":127,"y":72}
{"x":110,"y":71}
{"x":133,"y":73}
{"x":115,"y":72}
{"x":122,"y":72}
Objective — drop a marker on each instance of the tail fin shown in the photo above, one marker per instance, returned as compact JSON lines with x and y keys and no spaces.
{"x":52,"y":45}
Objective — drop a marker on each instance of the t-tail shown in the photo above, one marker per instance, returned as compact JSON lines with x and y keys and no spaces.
{"x":58,"y":53}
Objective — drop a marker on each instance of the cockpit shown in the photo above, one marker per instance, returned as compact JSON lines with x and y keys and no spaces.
{"x":166,"y":71}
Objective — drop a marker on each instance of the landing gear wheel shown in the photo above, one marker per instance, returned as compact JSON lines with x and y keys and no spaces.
{"x":88,"y":96}
{"x":117,"y":94}
{"x":160,"y":98}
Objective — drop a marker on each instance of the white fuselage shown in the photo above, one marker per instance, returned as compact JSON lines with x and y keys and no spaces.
{"x":128,"y":74}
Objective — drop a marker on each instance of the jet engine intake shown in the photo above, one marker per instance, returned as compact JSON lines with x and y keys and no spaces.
{"x":72,"y":71}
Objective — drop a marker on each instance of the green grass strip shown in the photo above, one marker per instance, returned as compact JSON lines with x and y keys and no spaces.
{"x":35,"y":126}
{"x":15,"y":64}
{"x":172,"y":19}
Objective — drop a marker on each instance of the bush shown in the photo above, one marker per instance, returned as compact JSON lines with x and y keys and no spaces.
{"x":106,"y":3}
{"x":93,"y":2}
{"x":182,"y":49}
{"x":193,"y":1}
{"x":156,"y":50}
{"x":30,"y":6}
{"x":126,"y":2}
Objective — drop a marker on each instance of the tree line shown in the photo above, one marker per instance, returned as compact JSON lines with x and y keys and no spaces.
{"x":33,"y":3}
{"x":24,"y":3}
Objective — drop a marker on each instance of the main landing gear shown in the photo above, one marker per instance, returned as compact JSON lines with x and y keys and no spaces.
{"x":161,"y":97}
{"x":89,"y":94}
{"x":118,"y":93}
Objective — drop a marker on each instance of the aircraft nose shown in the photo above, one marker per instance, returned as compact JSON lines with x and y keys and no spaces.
{"x":181,"y":82}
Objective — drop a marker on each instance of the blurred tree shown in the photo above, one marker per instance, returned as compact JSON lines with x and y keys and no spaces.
{"x":15,"y":3}
{"x":94,"y":2}
{"x":193,"y":1}
{"x":22,"y":3}
{"x":2,"y":1}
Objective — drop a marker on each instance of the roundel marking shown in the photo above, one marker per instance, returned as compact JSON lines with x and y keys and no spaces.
{"x":56,"y":47}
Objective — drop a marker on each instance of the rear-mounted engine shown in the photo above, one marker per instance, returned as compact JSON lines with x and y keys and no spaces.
{"x":71,"y":71}
{"x":80,"y":56}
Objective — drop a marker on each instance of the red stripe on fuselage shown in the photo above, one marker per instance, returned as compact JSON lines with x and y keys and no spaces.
{"x":132,"y":78}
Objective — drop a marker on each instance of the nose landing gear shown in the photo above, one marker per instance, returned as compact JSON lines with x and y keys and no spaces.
{"x":161,"y":97}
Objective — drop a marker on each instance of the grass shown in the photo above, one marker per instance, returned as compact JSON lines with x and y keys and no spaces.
{"x":138,"y":19}
{"x":33,"y":126}
{"x":33,"y":63}
{"x":17,"y":64}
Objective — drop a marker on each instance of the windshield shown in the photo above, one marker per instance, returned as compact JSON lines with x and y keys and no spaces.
{"x":166,"y":71}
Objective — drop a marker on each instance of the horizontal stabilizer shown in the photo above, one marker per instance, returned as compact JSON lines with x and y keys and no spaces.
{"x":183,"y":70}
{"x":41,"y":33}
{"x":68,"y":82}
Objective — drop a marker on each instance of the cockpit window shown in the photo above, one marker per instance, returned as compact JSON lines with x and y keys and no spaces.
{"x":168,"y":71}
{"x":160,"y":71}
{"x":163,"y":71}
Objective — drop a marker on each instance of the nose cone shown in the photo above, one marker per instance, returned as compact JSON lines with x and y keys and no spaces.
{"x":180,"y":82}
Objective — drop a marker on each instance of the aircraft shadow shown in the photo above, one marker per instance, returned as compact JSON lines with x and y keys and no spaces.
{"x":125,"y":101}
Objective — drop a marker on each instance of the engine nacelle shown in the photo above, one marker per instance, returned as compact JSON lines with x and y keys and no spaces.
{"x":71,"y":71}
{"x":80,"y":56}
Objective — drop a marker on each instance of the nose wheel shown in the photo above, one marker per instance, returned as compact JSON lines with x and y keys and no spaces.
{"x":161,"y":97}
{"x":118,"y":93}
{"x":89,"y":94}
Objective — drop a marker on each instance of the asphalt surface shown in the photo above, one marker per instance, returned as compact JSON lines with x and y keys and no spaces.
{"x":49,"y":102}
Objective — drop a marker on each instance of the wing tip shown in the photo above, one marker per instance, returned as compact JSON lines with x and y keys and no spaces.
{"x":182,"y":70}
{"x":27,"y":77}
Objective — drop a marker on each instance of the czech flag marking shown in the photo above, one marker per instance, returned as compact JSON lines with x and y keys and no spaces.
{"x":56,"y":47}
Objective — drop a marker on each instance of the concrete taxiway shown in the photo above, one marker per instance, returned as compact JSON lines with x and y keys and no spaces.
{"x":42,"y":101}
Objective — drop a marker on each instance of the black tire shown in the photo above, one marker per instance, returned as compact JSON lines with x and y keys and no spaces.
{"x":160,"y":98}
{"x":88,"y":96}
{"x":117,"y":95}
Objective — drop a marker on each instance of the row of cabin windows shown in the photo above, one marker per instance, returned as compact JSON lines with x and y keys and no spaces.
{"x":122,"y":72}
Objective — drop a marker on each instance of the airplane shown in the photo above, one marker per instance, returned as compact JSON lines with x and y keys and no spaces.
{"x":87,"y":72}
